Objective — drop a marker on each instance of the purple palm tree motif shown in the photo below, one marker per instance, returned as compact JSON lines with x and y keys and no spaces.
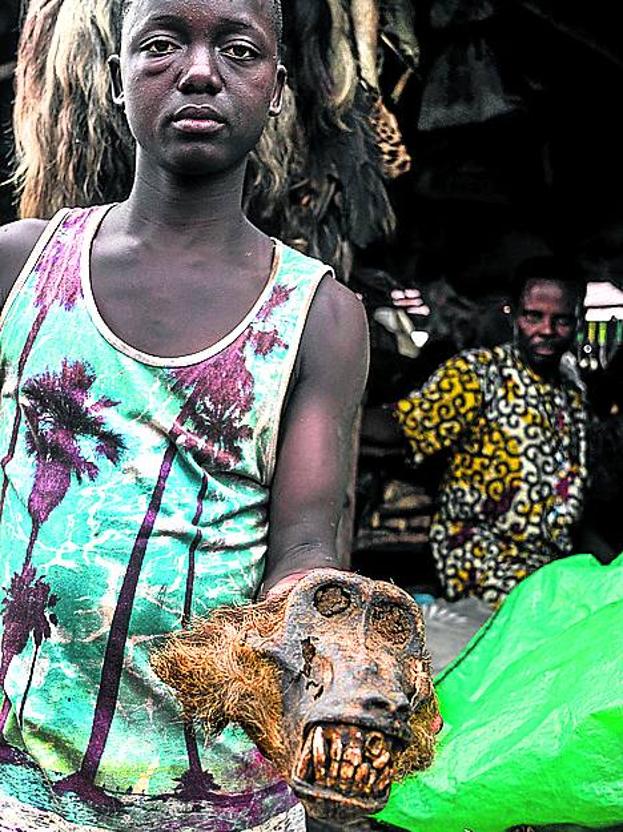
{"x":59,"y":414}
{"x":219,"y":395}
{"x":58,"y":281}
{"x":26,"y":611}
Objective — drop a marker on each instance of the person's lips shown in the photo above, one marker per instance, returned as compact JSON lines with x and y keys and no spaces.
{"x":544,"y":349}
{"x":198,"y":119}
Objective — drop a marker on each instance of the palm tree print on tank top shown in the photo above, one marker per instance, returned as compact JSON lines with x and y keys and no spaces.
{"x":57,"y":283}
{"x":177,"y":525}
{"x":220,"y":392}
{"x":59,"y":414}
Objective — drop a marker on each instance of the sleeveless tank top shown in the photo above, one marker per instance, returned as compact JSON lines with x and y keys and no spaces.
{"x":134,"y":495}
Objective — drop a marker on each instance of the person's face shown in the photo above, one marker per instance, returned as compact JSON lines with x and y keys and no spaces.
{"x":545,"y":324}
{"x":198,"y":80}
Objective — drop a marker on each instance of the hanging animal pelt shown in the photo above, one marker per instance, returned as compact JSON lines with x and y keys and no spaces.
{"x":73,"y":146}
{"x":316,"y":179}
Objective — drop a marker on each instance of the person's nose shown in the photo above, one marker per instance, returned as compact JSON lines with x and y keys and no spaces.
{"x":200,"y":72}
{"x":547,"y":326}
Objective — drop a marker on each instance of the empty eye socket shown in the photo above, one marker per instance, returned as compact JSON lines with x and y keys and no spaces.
{"x":331,"y":600}
{"x":393,"y":623}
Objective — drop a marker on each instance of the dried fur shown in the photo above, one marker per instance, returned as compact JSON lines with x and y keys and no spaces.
{"x":73,"y":146}
{"x":420,"y":752}
{"x":218,"y":678}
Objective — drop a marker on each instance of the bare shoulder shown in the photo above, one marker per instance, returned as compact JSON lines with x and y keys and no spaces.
{"x":17,"y":239}
{"x":336,"y":334}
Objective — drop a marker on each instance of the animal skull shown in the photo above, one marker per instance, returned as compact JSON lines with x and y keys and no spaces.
{"x":332,"y":682}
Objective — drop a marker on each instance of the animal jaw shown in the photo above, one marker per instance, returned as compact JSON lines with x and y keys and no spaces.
{"x":332,"y":682}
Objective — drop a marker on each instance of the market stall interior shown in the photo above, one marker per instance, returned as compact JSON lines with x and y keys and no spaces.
{"x":426,"y":147}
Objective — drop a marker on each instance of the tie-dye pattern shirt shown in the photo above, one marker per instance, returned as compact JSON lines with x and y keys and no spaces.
{"x":515,"y":481}
{"x":133,"y":495}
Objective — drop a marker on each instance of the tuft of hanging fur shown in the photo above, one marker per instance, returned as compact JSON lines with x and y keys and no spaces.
{"x":73,"y":146}
{"x":218,"y":678}
{"x":332,"y":198}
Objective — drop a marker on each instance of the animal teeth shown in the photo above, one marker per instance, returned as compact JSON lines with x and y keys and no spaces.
{"x":319,"y":754}
{"x":381,"y":761}
{"x":353,"y":754}
{"x":384,"y":780}
{"x":334,"y":773}
{"x":375,"y":744}
{"x":367,"y":788}
{"x":361,"y":775}
{"x":347,"y":772}
{"x":336,"y":747}
{"x":304,"y":768}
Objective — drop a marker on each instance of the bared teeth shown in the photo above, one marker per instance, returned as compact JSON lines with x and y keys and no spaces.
{"x":384,"y":781}
{"x":346,"y":759}
{"x":304,"y":769}
{"x":375,"y":744}
{"x":361,"y":775}
{"x":347,"y":773}
{"x":336,"y":747}
{"x":382,"y":760}
{"x":353,"y":754}
{"x":319,"y":753}
{"x":367,"y":789}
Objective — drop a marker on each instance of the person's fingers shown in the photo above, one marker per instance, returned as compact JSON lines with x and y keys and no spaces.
{"x":419,"y":310}
{"x":401,"y":294}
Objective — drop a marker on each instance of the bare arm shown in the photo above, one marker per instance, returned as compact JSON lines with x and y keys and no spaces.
{"x":315,"y":442}
{"x":17,"y":240}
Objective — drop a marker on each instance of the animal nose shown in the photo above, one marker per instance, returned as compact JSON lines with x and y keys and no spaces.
{"x":395,"y":705}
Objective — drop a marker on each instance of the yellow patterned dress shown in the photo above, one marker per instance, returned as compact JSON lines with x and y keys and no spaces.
{"x":514,"y":486}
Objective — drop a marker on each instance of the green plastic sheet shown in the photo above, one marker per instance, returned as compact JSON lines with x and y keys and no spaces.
{"x":533,"y":711}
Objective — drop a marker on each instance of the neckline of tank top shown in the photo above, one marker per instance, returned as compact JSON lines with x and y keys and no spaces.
{"x":151,"y":360}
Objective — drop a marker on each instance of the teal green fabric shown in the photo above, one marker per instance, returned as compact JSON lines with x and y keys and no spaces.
{"x":533,"y":711}
{"x":134,"y":495}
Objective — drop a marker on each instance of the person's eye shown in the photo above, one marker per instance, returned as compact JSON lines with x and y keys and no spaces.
{"x":240,"y":51}
{"x":565,"y":322}
{"x":159,"y":47}
{"x":532,"y":317}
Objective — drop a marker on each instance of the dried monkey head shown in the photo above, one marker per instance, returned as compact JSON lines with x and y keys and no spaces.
{"x":331,"y":681}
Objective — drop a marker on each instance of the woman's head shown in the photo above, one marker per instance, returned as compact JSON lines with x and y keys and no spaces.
{"x":198,"y":79}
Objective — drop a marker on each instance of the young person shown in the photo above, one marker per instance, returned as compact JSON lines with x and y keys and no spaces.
{"x":177,"y":397}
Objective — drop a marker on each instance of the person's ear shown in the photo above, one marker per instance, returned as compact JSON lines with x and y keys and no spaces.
{"x":116,"y":84}
{"x":276,"y":101}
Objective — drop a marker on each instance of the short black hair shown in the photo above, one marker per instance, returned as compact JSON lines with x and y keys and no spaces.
{"x":547,"y":267}
{"x":277,"y":19}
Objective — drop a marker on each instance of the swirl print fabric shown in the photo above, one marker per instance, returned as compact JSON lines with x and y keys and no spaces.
{"x":514,"y":485}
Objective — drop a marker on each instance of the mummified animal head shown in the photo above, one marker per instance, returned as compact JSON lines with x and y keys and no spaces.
{"x":332,"y":682}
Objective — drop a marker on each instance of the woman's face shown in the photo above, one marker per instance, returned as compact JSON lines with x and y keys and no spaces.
{"x":199,"y":80}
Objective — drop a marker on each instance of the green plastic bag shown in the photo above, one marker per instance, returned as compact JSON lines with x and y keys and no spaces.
{"x":533,"y":711}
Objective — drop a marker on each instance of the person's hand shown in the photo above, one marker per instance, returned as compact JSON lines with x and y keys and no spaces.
{"x":286,"y":584}
{"x":410,"y":300}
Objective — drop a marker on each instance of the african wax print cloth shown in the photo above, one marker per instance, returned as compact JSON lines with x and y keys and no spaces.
{"x":133,"y":495}
{"x":514,"y":484}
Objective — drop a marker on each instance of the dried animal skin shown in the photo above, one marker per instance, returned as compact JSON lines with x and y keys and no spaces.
{"x":332,"y":681}
{"x":365,"y":15}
